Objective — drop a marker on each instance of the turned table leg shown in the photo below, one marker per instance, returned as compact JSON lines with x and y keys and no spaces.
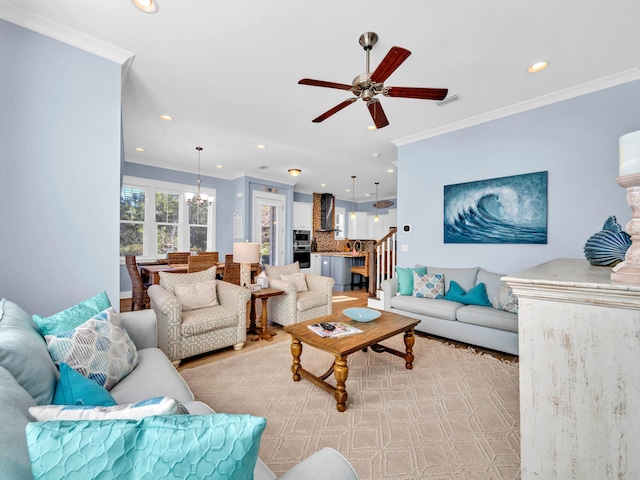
{"x":341,"y":372}
{"x":296,"y":351}
{"x":409,"y":341}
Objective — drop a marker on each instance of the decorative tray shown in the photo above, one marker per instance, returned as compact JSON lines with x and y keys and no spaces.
{"x":362,"y":314}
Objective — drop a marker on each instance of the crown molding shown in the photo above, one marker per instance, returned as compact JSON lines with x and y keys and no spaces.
{"x":38,"y":24}
{"x":559,"y":96}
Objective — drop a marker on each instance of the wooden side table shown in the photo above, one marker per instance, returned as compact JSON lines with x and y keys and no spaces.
{"x":263,"y":295}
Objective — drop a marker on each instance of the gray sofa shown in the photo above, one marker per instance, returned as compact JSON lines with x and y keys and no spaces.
{"x":28,"y":377}
{"x":484,"y":326}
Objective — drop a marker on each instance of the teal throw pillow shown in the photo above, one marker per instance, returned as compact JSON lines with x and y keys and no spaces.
{"x":74,"y":388}
{"x":405,"y":278}
{"x":206,"y":447}
{"x":73,"y":316}
{"x":476,"y":296}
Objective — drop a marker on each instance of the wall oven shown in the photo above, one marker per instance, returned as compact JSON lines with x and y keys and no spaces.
{"x":302,"y":247}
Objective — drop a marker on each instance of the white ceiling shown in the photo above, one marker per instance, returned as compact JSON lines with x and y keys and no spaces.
{"x":227,"y":72}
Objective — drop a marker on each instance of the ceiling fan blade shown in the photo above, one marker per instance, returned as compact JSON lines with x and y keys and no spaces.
{"x":377,"y":113}
{"x":410,"y":92}
{"x":393,"y":60}
{"x":335,"y":109}
{"x":322,"y":83}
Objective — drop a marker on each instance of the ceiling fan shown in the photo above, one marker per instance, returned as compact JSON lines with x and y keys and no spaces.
{"x":367,"y":85}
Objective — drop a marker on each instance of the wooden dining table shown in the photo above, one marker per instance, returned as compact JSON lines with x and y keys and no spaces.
{"x":153,"y":271}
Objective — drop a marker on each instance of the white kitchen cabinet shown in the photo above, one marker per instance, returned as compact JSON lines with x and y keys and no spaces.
{"x":302,"y":216}
{"x":358,"y":226}
{"x":316,"y":264}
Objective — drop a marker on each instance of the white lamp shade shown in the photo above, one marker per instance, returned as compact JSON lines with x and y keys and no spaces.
{"x":246,"y":252}
{"x":630,"y":153}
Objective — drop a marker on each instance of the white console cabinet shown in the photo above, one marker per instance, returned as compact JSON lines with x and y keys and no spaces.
{"x":579,"y":339}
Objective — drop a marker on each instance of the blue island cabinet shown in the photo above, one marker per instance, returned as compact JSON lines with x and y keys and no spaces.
{"x":338,"y":268}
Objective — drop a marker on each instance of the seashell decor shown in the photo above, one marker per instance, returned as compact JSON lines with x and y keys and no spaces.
{"x":608,"y":246}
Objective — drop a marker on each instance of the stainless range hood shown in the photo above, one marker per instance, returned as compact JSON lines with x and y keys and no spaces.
{"x":326,"y":212}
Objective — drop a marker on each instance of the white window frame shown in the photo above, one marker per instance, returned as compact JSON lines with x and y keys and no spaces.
{"x":149,"y":240}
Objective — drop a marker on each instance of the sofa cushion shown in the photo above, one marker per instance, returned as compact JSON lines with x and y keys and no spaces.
{"x":203,"y":320}
{"x":24,"y":353}
{"x":309,"y":300}
{"x":14,"y":417}
{"x":207,"y":447}
{"x":76,"y":389}
{"x":405,"y":278}
{"x":488,"y":317}
{"x":275,"y":271}
{"x":506,"y":300}
{"x":428,"y":286}
{"x":129,"y":411}
{"x":73,"y":316}
{"x":99,"y":349}
{"x":298,"y":279}
{"x":168,"y":281}
{"x":465,"y":277}
{"x":154,"y":376}
{"x":431,"y":307}
{"x":476,"y":296}
{"x":196,"y":295}
{"x":491,"y":282}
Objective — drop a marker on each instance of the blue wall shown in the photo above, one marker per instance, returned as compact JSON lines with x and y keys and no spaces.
{"x":60,"y":156}
{"x":575,"y":140}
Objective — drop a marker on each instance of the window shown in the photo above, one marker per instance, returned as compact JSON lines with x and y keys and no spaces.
{"x":155,"y":219}
{"x":339,"y":224}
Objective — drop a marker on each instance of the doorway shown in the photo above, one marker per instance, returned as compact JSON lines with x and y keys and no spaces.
{"x":268,"y":222}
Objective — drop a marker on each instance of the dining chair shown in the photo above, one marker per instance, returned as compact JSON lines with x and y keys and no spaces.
{"x":180,"y":258}
{"x":231,"y":270}
{"x":139,"y":295}
{"x":363,"y":271}
{"x":197,"y":263}
{"x":213,"y":255}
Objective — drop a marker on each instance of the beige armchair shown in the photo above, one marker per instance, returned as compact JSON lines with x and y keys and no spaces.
{"x":185,"y":328}
{"x":297,"y":304}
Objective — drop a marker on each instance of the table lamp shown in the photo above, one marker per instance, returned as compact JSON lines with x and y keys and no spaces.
{"x":245,"y":254}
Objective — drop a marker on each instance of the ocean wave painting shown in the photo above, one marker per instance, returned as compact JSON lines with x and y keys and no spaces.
{"x":500,"y":210}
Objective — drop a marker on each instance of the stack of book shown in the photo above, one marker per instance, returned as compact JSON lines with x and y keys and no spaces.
{"x":333,"y":329}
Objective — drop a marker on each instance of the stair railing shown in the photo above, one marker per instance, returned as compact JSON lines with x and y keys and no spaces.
{"x":382,"y":261}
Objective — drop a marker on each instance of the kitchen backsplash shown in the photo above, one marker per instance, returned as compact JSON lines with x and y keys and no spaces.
{"x":325,"y":241}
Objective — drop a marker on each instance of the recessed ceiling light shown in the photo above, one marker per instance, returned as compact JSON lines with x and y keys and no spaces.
{"x":323,"y":184}
{"x":371,"y":128}
{"x":219,"y":166}
{"x":391,"y":170}
{"x":348,"y":190}
{"x":376,"y":155}
{"x":147,"y":6}
{"x":166,"y":118}
{"x":261,"y":147}
{"x":367,"y":194}
{"x":537,"y":67}
{"x":139,"y":149}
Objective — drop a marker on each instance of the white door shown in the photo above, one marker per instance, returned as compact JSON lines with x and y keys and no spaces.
{"x":268,"y":220}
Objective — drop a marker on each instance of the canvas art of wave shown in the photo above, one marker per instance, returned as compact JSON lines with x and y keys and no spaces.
{"x":500,"y":210}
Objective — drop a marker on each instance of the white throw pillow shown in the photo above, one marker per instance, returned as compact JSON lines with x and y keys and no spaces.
{"x":298,"y":279}
{"x":130,"y":411}
{"x":197,"y":295}
{"x":506,"y":300}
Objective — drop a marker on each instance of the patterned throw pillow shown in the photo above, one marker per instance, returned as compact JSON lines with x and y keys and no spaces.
{"x":130,"y":411}
{"x":506,"y":300}
{"x":428,"y":286}
{"x":73,"y":316}
{"x":197,"y":295}
{"x":99,"y":349}
{"x":168,"y":281}
{"x":298,"y":279}
{"x":276,"y":272}
{"x":207,"y":447}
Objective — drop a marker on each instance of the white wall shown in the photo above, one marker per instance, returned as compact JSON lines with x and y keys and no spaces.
{"x":576,"y":141}
{"x":59,"y":172}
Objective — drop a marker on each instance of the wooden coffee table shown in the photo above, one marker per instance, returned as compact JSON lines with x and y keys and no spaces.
{"x":386,"y":326}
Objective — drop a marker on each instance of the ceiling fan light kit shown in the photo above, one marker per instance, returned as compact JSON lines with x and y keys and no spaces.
{"x":367,"y":85}
{"x":294,"y":172}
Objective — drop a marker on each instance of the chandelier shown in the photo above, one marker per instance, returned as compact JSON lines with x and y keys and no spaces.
{"x":199,"y":200}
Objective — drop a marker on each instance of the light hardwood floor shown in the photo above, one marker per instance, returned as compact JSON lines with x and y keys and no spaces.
{"x":341,"y":300}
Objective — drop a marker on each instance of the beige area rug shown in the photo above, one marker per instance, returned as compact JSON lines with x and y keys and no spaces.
{"x":454,"y":416}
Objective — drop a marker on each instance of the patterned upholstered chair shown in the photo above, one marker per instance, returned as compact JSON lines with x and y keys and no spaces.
{"x":306,"y":296}
{"x":198,"y":314}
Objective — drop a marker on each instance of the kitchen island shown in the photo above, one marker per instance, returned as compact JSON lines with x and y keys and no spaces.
{"x":337,"y":265}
